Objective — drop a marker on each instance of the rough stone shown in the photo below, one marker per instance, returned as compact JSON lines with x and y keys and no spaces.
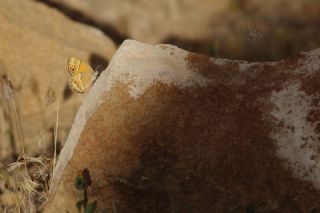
{"x":35,"y":43}
{"x":239,"y":29}
{"x":166,"y":130}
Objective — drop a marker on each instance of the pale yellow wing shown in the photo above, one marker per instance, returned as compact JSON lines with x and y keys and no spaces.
{"x":73,"y":65}
{"x":81,"y":75}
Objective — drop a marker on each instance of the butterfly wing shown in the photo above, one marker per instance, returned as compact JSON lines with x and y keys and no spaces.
{"x":85,"y":68}
{"x":76,"y":84}
{"x":82,"y":75}
{"x":73,"y":65}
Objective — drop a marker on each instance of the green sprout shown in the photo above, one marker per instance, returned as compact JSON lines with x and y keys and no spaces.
{"x":82,"y":182}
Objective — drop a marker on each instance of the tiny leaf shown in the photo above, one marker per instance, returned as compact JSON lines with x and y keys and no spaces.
{"x":79,"y":182}
{"x":79,"y":205}
{"x":90,"y":208}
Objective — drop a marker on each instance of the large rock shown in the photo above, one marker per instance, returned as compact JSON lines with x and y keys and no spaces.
{"x":166,"y":130}
{"x":238,"y":29}
{"x":35,"y":43}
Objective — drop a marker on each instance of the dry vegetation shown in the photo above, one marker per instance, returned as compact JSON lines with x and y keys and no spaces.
{"x":25,"y":183}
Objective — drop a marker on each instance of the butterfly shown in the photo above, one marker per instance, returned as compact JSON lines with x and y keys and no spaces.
{"x":81,"y":75}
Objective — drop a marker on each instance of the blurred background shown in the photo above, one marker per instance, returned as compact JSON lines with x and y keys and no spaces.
{"x":37,"y":37}
{"x":252,"y":30}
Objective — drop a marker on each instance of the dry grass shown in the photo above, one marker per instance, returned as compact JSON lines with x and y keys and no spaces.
{"x":8,"y":94}
{"x":24,"y":184}
{"x":30,"y":186}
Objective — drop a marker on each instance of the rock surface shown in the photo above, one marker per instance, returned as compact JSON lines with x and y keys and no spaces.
{"x":166,"y":130}
{"x":35,"y":43}
{"x":237,"y":29}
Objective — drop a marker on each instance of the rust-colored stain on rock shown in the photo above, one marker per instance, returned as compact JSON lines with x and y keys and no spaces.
{"x":201,"y":149}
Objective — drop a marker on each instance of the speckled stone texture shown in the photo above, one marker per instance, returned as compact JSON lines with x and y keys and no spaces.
{"x":165,"y":130}
{"x":35,"y":44}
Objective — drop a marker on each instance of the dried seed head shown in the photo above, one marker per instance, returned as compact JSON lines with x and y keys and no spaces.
{"x":50,"y":96}
{"x":7,"y":88}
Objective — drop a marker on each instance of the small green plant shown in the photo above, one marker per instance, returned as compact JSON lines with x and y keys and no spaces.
{"x":82,"y":182}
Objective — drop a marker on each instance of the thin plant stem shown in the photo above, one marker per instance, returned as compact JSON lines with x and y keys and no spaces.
{"x":18,"y":124}
{"x":8,"y":93}
{"x":56,"y":136}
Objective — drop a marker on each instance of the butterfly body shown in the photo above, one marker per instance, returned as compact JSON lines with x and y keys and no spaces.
{"x":81,"y":75}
